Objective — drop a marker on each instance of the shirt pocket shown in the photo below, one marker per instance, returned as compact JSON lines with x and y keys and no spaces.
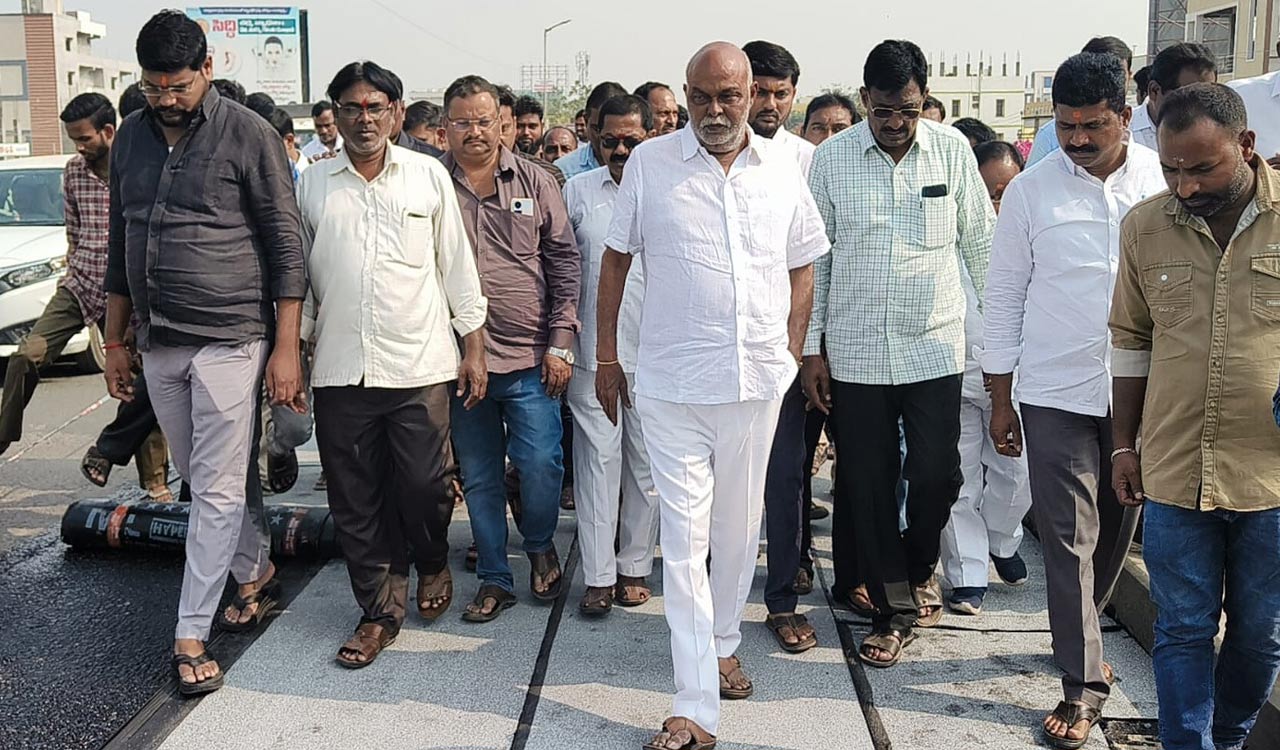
{"x":1168,"y":290}
{"x":525,"y":234}
{"x":938,"y":228}
{"x":1265,"y":294}
{"x":415,"y":238}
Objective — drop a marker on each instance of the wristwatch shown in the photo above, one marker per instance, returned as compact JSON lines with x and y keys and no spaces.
{"x":565,"y":354}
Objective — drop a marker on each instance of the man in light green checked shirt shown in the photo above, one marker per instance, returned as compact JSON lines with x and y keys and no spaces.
{"x":907,"y":214}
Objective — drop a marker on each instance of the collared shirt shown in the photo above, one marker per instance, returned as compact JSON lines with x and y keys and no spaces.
{"x":204,"y":236}
{"x":528,"y":261}
{"x":87,"y":209}
{"x":316,"y":148}
{"x":391,"y":270}
{"x":300,"y":166}
{"x":1053,"y":265}
{"x":546,"y":166}
{"x":717,"y":250}
{"x":800,"y":149}
{"x":589,"y":198}
{"x":581,"y":160}
{"x":889,"y":298}
{"x":1142,"y":129}
{"x":1203,"y":326}
{"x":1261,"y":96}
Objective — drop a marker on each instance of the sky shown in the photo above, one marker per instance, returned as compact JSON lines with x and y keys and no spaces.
{"x":430,"y":43}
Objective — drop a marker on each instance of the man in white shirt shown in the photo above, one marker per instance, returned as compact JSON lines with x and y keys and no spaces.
{"x":393,"y":280}
{"x":609,"y":457}
{"x":1054,"y":260}
{"x":1046,"y":140}
{"x":328,"y":141}
{"x":776,"y":72}
{"x":1177,"y":65}
{"x":728,"y":233}
{"x":1261,"y":96}
{"x":587,"y":156}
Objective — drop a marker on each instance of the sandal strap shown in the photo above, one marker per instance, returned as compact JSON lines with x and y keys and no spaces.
{"x":677,"y":723}
{"x":544,"y":562}
{"x":193,"y":661}
{"x":491,"y":591}
{"x":1072,"y":712}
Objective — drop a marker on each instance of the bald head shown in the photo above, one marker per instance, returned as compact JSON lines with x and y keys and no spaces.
{"x":719,"y":90}
{"x":719,"y":59}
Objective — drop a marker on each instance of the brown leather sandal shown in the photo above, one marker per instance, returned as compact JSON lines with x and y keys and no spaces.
{"x":1072,"y":713}
{"x":806,"y":637}
{"x":890,"y":641}
{"x":683,"y":730}
{"x":928,"y":596}
{"x":369,"y":641}
{"x":727,"y":691}
{"x":631,"y":591}
{"x":503,"y":600}
{"x":438,"y":586}
{"x":597,"y":601}
{"x":803,"y":584}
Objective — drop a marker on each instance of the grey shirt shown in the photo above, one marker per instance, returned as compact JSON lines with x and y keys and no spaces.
{"x":204,"y":238}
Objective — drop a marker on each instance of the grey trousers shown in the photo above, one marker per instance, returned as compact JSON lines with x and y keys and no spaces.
{"x":1069,"y":461}
{"x":206,"y":400}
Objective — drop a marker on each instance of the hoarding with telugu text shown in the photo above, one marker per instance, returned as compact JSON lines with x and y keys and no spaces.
{"x":263,"y":48}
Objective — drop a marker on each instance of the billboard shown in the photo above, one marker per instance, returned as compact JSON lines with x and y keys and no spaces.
{"x":260,"y":47}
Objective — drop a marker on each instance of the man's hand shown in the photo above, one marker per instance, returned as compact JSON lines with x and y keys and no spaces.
{"x":555,"y":374}
{"x":611,"y":386}
{"x":815,"y":379}
{"x":119,"y":373}
{"x":1126,"y":479}
{"x":1006,"y":429}
{"x":473,"y":374}
{"x":284,"y":379}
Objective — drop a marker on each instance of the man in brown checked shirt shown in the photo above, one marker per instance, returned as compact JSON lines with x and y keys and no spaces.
{"x":529,"y":269}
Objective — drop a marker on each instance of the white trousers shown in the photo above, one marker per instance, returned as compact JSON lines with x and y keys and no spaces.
{"x":610,"y":460}
{"x":987,"y":518}
{"x":709,"y":464}
{"x":206,"y":401}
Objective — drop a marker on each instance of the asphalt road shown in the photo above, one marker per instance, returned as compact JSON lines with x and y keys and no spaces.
{"x":85,"y":637}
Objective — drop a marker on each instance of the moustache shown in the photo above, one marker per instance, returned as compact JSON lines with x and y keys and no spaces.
{"x":1082,"y":149}
{"x":619,"y":158}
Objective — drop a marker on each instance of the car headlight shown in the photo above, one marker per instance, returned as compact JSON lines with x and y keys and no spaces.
{"x":32,"y":273}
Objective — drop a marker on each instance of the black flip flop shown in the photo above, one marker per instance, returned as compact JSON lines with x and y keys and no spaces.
{"x":542,"y":564}
{"x":267,"y":598}
{"x":196,"y":688}
{"x":93,"y":460}
{"x":282,"y":472}
{"x":505,"y":600}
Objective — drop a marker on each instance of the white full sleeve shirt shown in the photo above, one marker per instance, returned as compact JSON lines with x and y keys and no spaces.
{"x":1054,"y":259}
{"x":391,"y":270}
{"x":717,"y":250}
{"x":589,"y":199}
{"x":1261,"y":96}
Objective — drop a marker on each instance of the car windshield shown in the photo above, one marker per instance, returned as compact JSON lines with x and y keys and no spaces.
{"x":31,"y":197}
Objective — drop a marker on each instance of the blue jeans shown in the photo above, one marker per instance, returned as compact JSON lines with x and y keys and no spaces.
{"x":518,"y":419}
{"x":1191,"y":555}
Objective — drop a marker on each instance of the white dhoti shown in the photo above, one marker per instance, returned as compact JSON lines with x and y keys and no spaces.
{"x":987,"y":517}
{"x":708,"y":464}
{"x":609,"y":460}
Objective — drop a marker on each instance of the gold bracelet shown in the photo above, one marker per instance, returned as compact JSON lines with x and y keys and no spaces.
{"x":604,"y":362}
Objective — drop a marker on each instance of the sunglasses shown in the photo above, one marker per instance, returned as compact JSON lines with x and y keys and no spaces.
{"x":610,"y":142}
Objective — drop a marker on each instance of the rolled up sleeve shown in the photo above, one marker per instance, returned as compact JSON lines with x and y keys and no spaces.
{"x":1131,"y":324}
{"x":1008,"y":277}
{"x":807,"y":239}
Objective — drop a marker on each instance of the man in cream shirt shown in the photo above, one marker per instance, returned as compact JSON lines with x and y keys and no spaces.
{"x":393,"y":279}
{"x":728,"y":232}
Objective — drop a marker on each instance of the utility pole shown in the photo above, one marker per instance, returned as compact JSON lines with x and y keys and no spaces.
{"x":545,"y":32}
{"x":1271,"y":35}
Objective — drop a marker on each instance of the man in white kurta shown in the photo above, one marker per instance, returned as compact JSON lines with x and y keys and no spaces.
{"x":727,"y":231}
{"x":609,"y":458}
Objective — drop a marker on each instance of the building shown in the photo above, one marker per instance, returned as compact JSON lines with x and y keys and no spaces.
{"x":981,"y":89}
{"x":1166,"y":25}
{"x":47,"y":57}
{"x":1243,"y":33}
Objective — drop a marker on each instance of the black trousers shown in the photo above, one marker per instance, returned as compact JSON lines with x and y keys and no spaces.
{"x":785,"y":509}
{"x":134,"y":421}
{"x":866,"y":419}
{"x":387,"y":456}
{"x":814,"y":421}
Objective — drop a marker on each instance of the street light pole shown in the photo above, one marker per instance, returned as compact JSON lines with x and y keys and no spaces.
{"x":545,"y":32}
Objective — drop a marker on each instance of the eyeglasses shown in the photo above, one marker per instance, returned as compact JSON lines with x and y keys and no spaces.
{"x":610,"y":142}
{"x":463,"y":126}
{"x":885,"y":113}
{"x":152,"y":91}
{"x":352,"y":112}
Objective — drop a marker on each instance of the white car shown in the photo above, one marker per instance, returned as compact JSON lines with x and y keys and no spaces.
{"x":33,"y":254}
